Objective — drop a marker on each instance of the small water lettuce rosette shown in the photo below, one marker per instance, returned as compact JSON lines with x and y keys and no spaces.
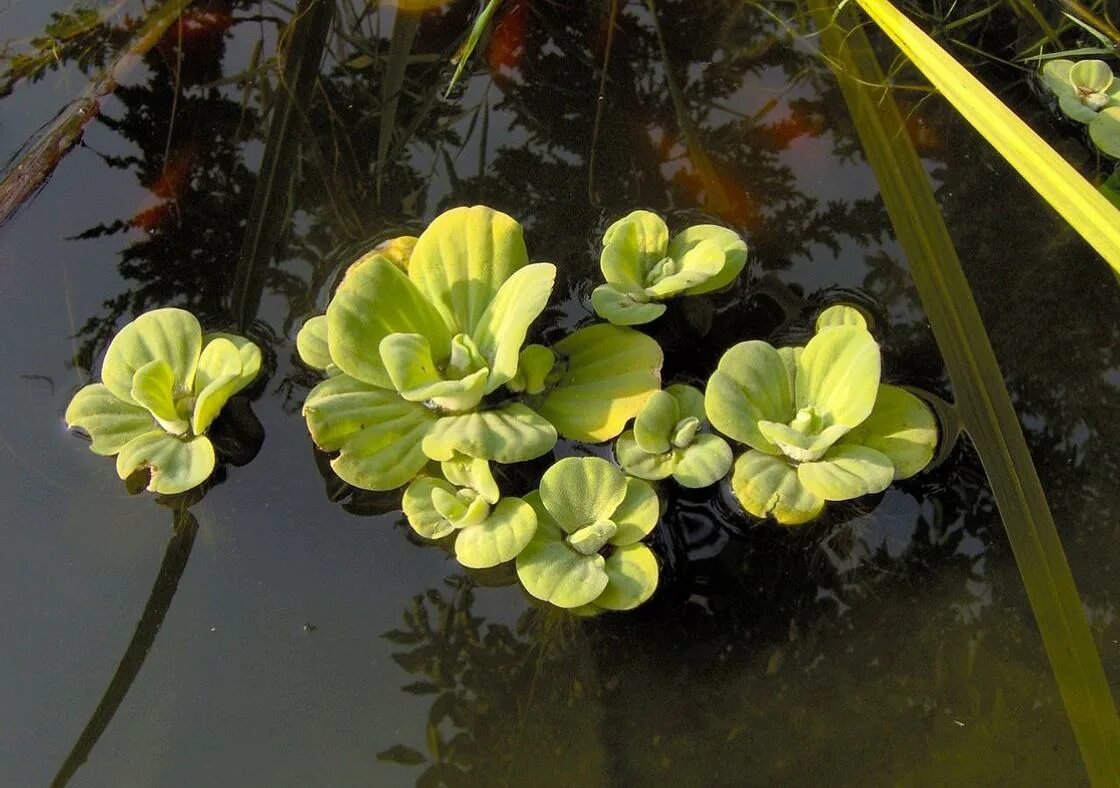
{"x":425,"y":359}
{"x":163,"y":382}
{"x":488,"y":530}
{"x":1088,"y":92}
{"x":666,"y":441}
{"x":586,"y":555}
{"x":819,"y":424}
{"x":643,"y":267}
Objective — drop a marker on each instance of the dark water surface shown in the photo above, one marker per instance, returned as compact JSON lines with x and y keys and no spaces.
{"x":312,"y":641}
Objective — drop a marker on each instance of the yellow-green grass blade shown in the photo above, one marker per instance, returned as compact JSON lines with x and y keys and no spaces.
{"x":1078,"y":202}
{"x":982,"y":398}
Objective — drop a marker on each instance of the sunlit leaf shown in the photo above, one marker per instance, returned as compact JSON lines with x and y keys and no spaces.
{"x":840,"y":315}
{"x":838,"y":374}
{"x":631,"y":578}
{"x":653,"y":428}
{"x":731,"y":246}
{"x":153,"y":387}
{"x":750,"y":384}
{"x":421,"y":513}
{"x":312,"y":345}
{"x":552,"y":571}
{"x":408,"y":360}
{"x":499,"y":538}
{"x":623,"y":308}
{"x":502,"y":328}
{"x":847,"y":472}
{"x":705,"y":461}
{"x":109,"y":421}
{"x":637,"y":515}
{"x":578,"y":491}
{"x":631,"y":246}
{"x":169,"y":335}
{"x":636,"y":461}
{"x":768,"y":486}
{"x":218,"y":378}
{"x":902,"y":427}
{"x":176,"y":464}
{"x":464,"y":471}
{"x":511,"y":433}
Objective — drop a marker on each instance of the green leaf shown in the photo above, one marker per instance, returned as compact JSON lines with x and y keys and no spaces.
{"x":847,"y":472}
{"x":502,"y":328}
{"x":378,"y":433}
{"x":623,"y":308}
{"x":408,"y":360}
{"x":838,"y":375}
{"x":461,"y":260}
{"x":631,"y":578}
{"x":1075,"y":109}
{"x":218,"y":378}
{"x":421,"y":513}
{"x":637,"y":515}
{"x":552,"y":571}
{"x":636,"y":461}
{"x":902,"y":427}
{"x":690,"y":401}
{"x":609,"y":373}
{"x":590,"y":539}
{"x":800,"y":446}
{"x":732,"y":247}
{"x":499,"y":538}
{"x":109,"y":422}
{"x":578,"y":491}
{"x":374,"y":300}
{"x":750,"y":385}
{"x":176,"y":464}
{"x":153,"y":387}
{"x":698,"y":264}
{"x":533,"y":365}
{"x":1105,"y":131}
{"x":653,"y":428}
{"x":312,"y":345}
{"x":1091,"y":75}
{"x":768,"y":486}
{"x":169,"y":335}
{"x":631,"y":246}
{"x":248,"y":351}
{"x":1055,"y":75}
{"x":464,"y":471}
{"x":511,"y":433}
{"x":706,"y":460}
{"x":841,"y":315}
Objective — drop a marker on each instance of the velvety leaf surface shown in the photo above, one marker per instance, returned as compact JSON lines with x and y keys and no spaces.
{"x":502,"y":328}
{"x":533,"y":365}
{"x":609,"y":374}
{"x":464,"y":471}
{"x":110,"y":422}
{"x":750,"y":384}
{"x":498,"y":538}
{"x":630,"y":247}
{"x":846,"y":472}
{"x":1105,"y":131}
{"x":704,"y":462}
{"x":419,"y":510}
{"x":218,"y":378}
{"x":578,"y":491}
{"x":653,"y":428}
{"x":169,"y":335}
{"x":838,"y":374}
{"x":312,"y":345}
{"x":902,"y":427}
{"x":799,"y":446}
{"x":622,"y":308}
{"x":408,"y":360}
{"x":732,"y":249}
{"x":153,"y":387}
{"x":511,"y":433}
{"x":176,"y":464}
{"x":632,"y":574}
{"x":636,"y":461}
{"x":768,"y":486}
{"x":552,"y":571}
{"x":841,"y":315}
{"x":637,"y":515}
{"x":699,"y":264}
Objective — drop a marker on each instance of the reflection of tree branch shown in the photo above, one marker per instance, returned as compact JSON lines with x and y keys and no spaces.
{"x":159,"y":601}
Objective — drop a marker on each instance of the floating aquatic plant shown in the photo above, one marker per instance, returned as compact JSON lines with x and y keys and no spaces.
{"x":425,"y":360}
{"x":586,"y":554}
{"x":162,"y":385}
{"x":819,"y":424}
{"x":1089,"y":93}
{"x":666,"y":441}
{"x":643,"y":267}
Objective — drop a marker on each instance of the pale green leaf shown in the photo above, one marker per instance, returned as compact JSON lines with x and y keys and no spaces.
{"x":847,"y":472}
{"x":1091,"y":75}
{"x":800,"y":446}
{"x":578,"y":491}
{"x":109,"y":421}
{"x":637,"y":515}
{"x":552,"y":571}
{"x":732,"y":247}
{"x":169,"y":335}
{"x":533,"y":365}
{"x":699,"y":263}
{"x":511,"y":433}
{"x":902,"y":427}
{"x":838,"y":375}
{"x":1074,"y":108}
{"x":750,"y":384}
{"x":311,"y":343}
{"x":502,"y":328}
{"x":1055,"y":75}
{"x":622,"y":308}
{"x":408,"y":360}
{"x":461,"y":260}
{"x":464,"y":471}
{"x":690,"y":401}
{"x":176,"y":464}
{"x":841,"y":315}
{"x":374,"y":300}
{"x":706,"y":460}
{"x":768,"y":486}
{"x":218,"y":378}
{"x":638,"y":462}
{"x":1105,"y":131}
{"x":631,"y":246}
{"x":609,"y":373}
{"x":499,"y":538}
{"x":419,"y":510}
{"x":631,"y":578}
{"x":592,"y":538}
{"x":153,"y":387}
{"x":653,"y":428}
{"x":251,"y":358}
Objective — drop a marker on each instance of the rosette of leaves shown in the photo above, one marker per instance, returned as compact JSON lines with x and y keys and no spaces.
{"x":163,"y":382}
{"x":666,"y":441}
{"x":819,"y":423}
{"x":488,"y":530}
{"x":643,"y":267}
{"x":586,"y":554}
{"x":1088,"y":92}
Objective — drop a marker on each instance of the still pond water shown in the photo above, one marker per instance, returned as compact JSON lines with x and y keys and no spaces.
{"x":309,"y":640}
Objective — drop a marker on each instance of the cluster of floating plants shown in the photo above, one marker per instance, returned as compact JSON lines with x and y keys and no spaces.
{"x":429,"y":385}
{"x":1089,"y":93}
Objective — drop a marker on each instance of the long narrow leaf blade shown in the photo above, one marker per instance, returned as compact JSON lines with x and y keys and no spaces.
{"x":1086,"y":211}
{"x":982,"y":397}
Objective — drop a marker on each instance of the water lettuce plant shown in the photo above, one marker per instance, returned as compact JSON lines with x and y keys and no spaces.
{"x":163,"y":382}
{"x":643,"y":267}
{"x":425,"y":360}
{"x":666,"y":441}
{"x":819,"y":424}
{"x":1088,"y":93}
{"x":586,"y":554}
